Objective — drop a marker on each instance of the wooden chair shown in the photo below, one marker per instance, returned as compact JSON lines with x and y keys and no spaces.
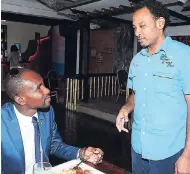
{"x":122,"y":79}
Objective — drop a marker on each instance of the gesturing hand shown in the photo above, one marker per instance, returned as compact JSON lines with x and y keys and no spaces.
{"x":182,"y":166}
{"x":121,"y":119}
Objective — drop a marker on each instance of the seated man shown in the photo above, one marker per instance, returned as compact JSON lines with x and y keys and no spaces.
{"x":22,"y":141}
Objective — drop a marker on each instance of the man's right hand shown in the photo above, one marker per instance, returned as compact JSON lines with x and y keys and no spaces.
{"x":121,"y":119}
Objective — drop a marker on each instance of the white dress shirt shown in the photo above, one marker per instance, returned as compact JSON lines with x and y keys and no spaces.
{"x":27,"y":133}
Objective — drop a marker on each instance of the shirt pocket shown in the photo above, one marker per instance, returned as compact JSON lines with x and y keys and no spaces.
{"x":163,"y":81}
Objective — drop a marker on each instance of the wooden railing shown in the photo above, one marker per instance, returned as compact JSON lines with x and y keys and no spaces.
{"x":71,"y":93}
{"x":99,"y":85}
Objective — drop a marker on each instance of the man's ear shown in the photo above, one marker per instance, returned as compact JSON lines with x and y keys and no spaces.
{"x":20,"y":100}
{"x":160,"y":23}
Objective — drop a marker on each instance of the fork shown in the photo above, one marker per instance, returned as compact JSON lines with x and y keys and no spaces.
{"x":83,"y":160}
{"x":76,"y":167}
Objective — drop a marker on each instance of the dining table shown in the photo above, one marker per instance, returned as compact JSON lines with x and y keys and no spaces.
{"x":109,"y":168}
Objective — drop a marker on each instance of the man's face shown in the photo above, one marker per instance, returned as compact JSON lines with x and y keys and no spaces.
{"x":35,"y":94}
{"x":145,"y":27}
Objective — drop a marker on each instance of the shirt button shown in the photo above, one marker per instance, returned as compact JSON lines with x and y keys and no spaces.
{"x":143,"y":119}
{"x":149,"y":60}
{"x":143,"y":133}
{"x":144,"y":89}
{"x":144,"y":104}
{"x":146,"y":74}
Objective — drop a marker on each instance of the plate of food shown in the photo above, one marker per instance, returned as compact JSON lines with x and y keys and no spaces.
{"x":69,"y":168}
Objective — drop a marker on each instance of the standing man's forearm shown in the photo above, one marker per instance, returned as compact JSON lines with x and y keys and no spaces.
{"x":129,"y":105}
{"x":187,"y":145}
{"x":182,"y":165}
{"x":124,"y":112}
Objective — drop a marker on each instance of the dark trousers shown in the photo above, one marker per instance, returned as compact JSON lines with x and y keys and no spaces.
{"x":144,"y":166}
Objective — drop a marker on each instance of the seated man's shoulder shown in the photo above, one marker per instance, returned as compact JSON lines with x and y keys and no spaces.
{"x":6,"y":107}
{"x":6,"y":110}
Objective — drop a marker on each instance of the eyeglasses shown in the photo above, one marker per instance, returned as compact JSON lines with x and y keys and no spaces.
{"x":13,"y":72}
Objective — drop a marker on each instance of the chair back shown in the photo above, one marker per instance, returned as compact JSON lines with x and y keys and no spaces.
{"x":122,"y":76}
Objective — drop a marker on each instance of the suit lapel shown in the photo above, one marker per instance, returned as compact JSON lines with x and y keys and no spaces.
{"x":42,"y":127}
{"x":15,"y":134}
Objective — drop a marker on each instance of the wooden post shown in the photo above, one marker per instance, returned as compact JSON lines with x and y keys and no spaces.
{"x":94,"y":87}
{"x":71,"y":96}
{"x":115,"y":85}
{"x":67,"y":93}
{"x":127,"y":93}
{"x":78,"y":89}
{"x":112,"y":83}
{"x":75,"y":95}
{"x":85,"y":54}
{"x":109,"y":86}
{"x":98,"y":95}
{"x":102,"y":85}
{"x":118,"y":86}
{"x":90,"y":79}
{"x":82,"y":97}
{"x":106,"y":86}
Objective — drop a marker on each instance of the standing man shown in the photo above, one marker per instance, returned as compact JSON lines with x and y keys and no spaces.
{"x":159,"y":78}
{"x":26,"y":130}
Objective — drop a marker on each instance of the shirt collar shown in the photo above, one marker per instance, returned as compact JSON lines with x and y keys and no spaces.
{"x":23,"y":118}
{"x":162,"y":48}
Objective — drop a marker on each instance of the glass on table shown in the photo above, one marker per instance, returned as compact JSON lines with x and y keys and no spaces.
{"x":42,"y":168}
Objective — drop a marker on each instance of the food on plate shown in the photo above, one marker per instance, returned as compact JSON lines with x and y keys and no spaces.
{"x":67,"y":172}
{"x":87,"y":172}
{"x":79,"y":171}
{"x":74,"y":171}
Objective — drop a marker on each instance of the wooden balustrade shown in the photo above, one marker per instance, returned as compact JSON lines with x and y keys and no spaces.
{"x":99,"y":86}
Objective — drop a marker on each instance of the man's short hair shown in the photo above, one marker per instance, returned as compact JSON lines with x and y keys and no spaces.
{"x":14,"y":84}
{"x":156,"y":8}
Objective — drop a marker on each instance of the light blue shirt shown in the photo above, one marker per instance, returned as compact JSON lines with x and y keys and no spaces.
{"x":160,"y":82}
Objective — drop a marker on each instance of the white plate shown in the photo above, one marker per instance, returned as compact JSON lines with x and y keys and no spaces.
{"x":70,"y":164}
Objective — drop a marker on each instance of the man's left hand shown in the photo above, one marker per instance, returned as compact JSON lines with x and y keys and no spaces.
{"x":182,"y":165}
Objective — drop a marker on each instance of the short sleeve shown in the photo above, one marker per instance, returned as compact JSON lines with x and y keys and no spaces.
{"x":130,"y":77}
